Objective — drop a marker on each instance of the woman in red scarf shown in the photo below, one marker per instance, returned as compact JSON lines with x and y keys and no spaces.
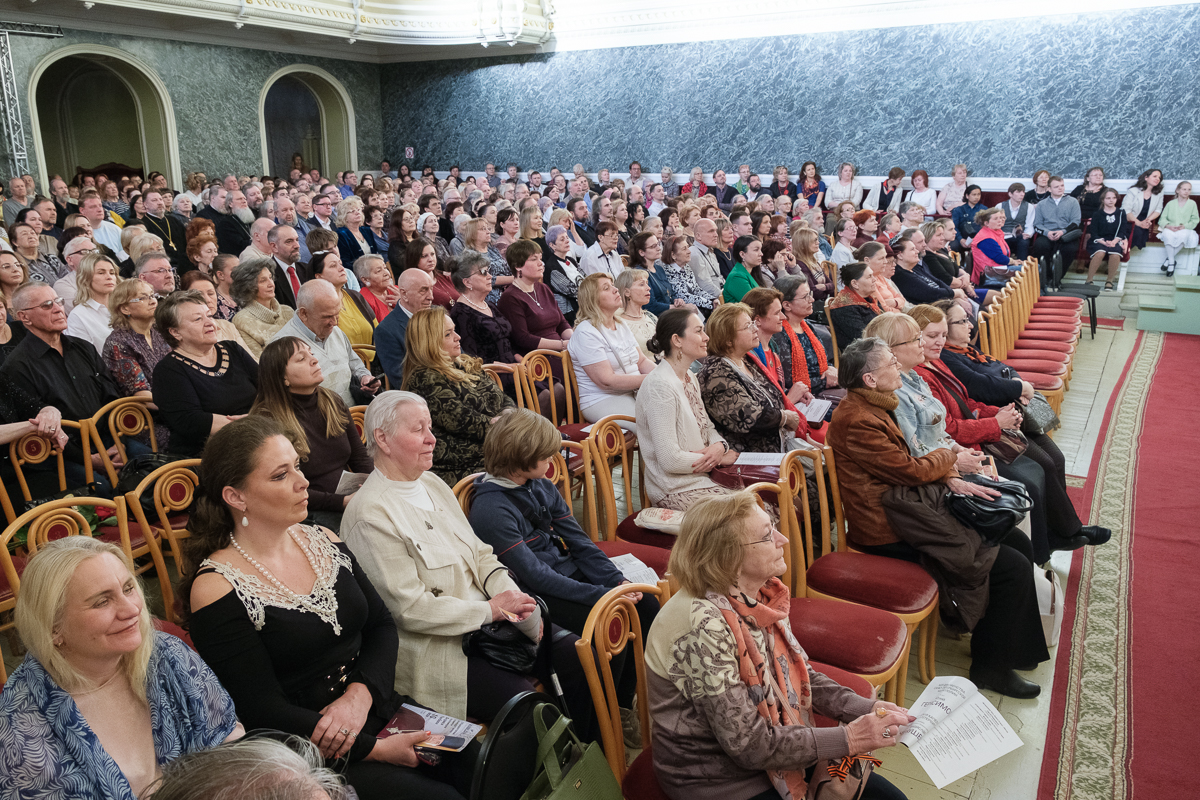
{"x":731,"y":691}
{"x":804,"y":348}
{"x":855,"y":305}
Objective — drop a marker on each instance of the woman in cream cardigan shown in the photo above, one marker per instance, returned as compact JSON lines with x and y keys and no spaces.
{"x":253,"y":287}
{"x":678,"y":440}
{"x":418,"y":549}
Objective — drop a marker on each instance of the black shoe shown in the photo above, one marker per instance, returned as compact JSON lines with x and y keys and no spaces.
{"x":1171,"y":272}
{"x":1074,"y":543}
{"x":1095,"y":534}
{"x":1005,"y":682}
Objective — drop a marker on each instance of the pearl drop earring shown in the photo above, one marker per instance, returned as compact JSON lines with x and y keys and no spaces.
{"x":245,"y":521}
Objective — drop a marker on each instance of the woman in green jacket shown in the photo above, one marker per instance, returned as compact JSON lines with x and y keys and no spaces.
{"x":745,"y":275}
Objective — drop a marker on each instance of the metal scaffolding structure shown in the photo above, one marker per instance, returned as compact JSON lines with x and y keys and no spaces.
{"x":14,"y":126}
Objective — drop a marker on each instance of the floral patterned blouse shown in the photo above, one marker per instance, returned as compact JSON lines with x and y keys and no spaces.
{"x":47,"y":749}
{"x":131,"y":359}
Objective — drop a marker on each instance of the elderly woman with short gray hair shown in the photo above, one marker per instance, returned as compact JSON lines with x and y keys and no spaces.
{"x":253,"y":289}
{"x":873,"y":457}
{"x":562,"y":271}
{"x":437,"y":578}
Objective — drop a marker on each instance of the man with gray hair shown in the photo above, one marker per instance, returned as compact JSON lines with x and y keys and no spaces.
{"x":258,"y":247}
{"x":155,"y":269}
{"x":705,"y":265}
{"x":458,"y":244}
{"x":287,"y":214}
{"x":318,"y":307}
{"x":18,"y":201}
{"x":415,"y":288}
{"x":233,"y":229}
{"x":73,"y":253}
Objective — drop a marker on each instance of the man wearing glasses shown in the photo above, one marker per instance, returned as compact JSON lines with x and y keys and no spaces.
{"x":73,"y":253}
{"x":322,"y":212}
{"x":50,"y":368}
{"x":155,"y":269}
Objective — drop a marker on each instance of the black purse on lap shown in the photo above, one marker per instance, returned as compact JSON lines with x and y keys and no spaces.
{"x":992,"y":519}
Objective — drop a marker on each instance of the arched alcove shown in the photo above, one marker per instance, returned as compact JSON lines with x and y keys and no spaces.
{"x":337,"y":148}
{"x":91,"y":105}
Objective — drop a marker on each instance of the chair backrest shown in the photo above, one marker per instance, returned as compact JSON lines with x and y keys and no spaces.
{"x":122,"y":418}
{"x":611,"y":627}
{"x":781,"y":498}
{"x":358,"y":415}
{"x":55,"y":520}
{"x":609,"y":447}
{"x":34,"y":448}
{"x":172,"y":488}
{"x":367,"y":353}
{"x":827,"y":499}
{"x":464,"y":490}
{"x":831,"y":271}
{"x":832,"y":334}
{"x":536,"y":368}
{"x":507,"y":760}
{"x":494,"y":371}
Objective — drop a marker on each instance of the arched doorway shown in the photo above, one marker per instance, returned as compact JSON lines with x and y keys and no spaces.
{"x":306,"y":110}
{"x":92,"y":105}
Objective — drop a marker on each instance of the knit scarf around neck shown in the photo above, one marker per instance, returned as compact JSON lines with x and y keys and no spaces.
{"x":800,"y":363}
{"x":971,"y":353}
{"x":885,"y":400}
{"x":787,"y":662}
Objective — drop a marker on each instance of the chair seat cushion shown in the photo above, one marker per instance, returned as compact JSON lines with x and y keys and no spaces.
{"x":1033,"y":334}
{"x":575,"y":431}
{"x":640,"y":781}
{"x":1024,"y":365}
{"x":848,"y":679}
{"x":1026,"y":353}
{"x":900,"y":587}
{"x":1034,"y":325}
{"x":655,"y":558}
{"x":1044,"y":344}
{"x":1059,"y":301}
{"x":629,"y":531}
{"x":173,"y":629}
{"x":1045,"y":383}
{"x":862,"y":640}
{"x":1064,"y":318}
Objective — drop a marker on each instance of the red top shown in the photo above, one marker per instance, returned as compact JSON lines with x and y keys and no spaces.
{"x":967,"y":431}
{"x":380,"y":308}
{"x":533,"y":317}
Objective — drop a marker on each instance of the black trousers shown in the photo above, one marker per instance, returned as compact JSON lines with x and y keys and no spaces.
{"x":1010,"y":633}
{"x":1044,"y":249}
{"x":449,"y":780}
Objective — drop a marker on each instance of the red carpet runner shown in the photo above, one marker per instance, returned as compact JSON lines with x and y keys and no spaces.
{"x":1123,"y":688}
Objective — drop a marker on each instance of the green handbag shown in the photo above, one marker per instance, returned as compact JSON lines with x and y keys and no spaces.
{"x":569,"y":768}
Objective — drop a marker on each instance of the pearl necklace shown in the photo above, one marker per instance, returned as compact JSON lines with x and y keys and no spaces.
{"x":322,"y":602}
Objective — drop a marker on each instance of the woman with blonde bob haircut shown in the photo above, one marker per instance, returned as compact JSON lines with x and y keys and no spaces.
{"x":734,"y":608}
{"x":98,"y":685}
{"x":461,"y":405}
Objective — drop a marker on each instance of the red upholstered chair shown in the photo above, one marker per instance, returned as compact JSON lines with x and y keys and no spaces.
{"x":610,"y":446}
{"x":612,"y":627}
{"x":847,"y":679}
{"x":898,"y":587}
{"x":173,"y":629}
{"x":121,"y":419}
{"x":171,"y":489}
{"x":866,"y":641}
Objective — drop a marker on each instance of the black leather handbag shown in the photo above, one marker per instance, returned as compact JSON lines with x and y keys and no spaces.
{"x":501,"y":643}
{"x":992,"y":519}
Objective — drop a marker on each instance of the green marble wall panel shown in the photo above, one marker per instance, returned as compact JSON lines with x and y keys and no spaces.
{"x":215,"y":92}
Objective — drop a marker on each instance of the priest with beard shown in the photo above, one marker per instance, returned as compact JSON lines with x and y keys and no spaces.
{"x":233,"y":229}
{"x":167,"y":228}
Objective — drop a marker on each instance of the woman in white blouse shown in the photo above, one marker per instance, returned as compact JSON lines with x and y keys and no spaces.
{"x":921,"y":194}
{"x":844,"y":233}
{"x":951,"y":196}
{"x":846,"y":187}
{"x":609,"y":367}
{"x":95,"y":278}
{"x":678,"y":441}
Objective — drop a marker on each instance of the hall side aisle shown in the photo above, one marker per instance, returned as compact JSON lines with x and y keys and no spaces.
{"x":1097,"y":368}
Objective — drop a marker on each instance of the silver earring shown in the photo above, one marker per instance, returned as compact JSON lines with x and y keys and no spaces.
{"x":245,"y":521}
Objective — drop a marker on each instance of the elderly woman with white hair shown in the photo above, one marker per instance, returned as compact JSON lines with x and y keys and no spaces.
{"x":562,"y":271}
{"x":427,"y":226}
{"x":438,"y":579}
{"x":378,"y":286}
{"x":101,"y":702}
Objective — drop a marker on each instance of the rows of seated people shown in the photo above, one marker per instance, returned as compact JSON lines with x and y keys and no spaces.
{"x":700,"y":312}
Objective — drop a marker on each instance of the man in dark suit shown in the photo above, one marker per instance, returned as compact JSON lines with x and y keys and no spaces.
{"x":322,"y":206}
{"x":416,"y":293}
{"x":213,"y":210}
{"x":233,"y":230}
{"x":290,"y":272}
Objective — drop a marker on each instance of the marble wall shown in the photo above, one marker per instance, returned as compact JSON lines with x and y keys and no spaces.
{"x":1007,"y":97}
{"x":215,"y":91}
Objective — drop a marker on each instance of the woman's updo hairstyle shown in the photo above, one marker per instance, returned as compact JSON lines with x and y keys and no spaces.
{"x":229,"y":457}
{"x":673,"y":322}
{"x":852,"y":272}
